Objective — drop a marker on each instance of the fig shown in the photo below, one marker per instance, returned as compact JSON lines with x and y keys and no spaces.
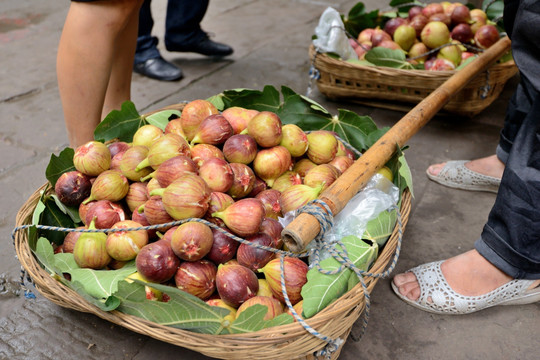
{"x":140,"y":218}
{"x":117,"y":147}
{"x":378,"y":36}
{"x":213,"y":130}
{"x":136,"y":196}
{"x":164,"y":148}
{"x":71,"y":238}
{"x":451,"y":53}
{"x":365,"y":35}
{"x":222,"y":304}
{"x":197,"y":278}
{"x":295,"y":274}
{"x":442,"y":65}
{"x":286,"y":180}
{"x":405,"y":36}
{"x":125,"y":245}
{"x":462,"y":33}
{"x":362,"y":49}
{"x":342,"y":163}
{"x":478,"y":15}
{"x":460,"y":15}
{"x":192,"y":240}
{"x":294,"y":139}
{"x":270,"y":163}
{"x":244,"y":217}
{"x":92,"y":158}
{"x":297,"y":196}
{"x":486,"y":36}
{"x":104,"y":213}
{"x":218,"y":201}
{"x":116,"y":160}
{"x":258,"y":186}
{"x":418,"y":23}
{"x":168,"y":234}
{"x":240,"y":148}
{"x":418,"y":52}
{"x":236,"y":284}
{"x":218,"y":174}
{"x":90,"y":251}
{"x":243,"y":180}
{"x":186,"y":197}
{"x":193,"y":114}
{"x":275,"y":307}
{"x":153,"y":184}
{"x":223,"y":248}
{"x":442,"y":17}
{"x":238,"y":117}
{"x":175,"y":126}
{"x":273,"y":228}
{"x":303,"y":165}
{"x":154,"y":211}
{"x":109,"y":185}
{"x":323,"y":146}
{"x":130,"y":161}
{"x":73,"y":187}
{"x":202,"y":152}
{"x":298,"y":308}
{"x":146,"y":135}
{"x":265,"y":128}
{"x":435,"y":34}
{"x":264,"y":288}
{"x":173,"y":168}
{"x":83,"y":210}
{"x":431,"y":9}
{"x":156,"y":262}
{"x":390,"y":44}
{"x":270,"y":199}
{"x":392,"y":24}
{"x":414,"y":10}
{"x":252,"y":256}
{"x":151,"y":293}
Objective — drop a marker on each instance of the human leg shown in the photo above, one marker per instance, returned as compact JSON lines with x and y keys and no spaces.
{"x":85,"y":62}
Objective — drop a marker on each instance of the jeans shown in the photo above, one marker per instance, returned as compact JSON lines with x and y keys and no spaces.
{"x":510,"y":239}
{"x":182,"y":27}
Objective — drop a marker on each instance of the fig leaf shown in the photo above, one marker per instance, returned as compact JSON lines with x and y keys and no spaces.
{"x":379,"y":229}
{"x":120,"y":124}
{"x":59,"y":165}
{"x":161,"y":118}
{"x":52,"y":215}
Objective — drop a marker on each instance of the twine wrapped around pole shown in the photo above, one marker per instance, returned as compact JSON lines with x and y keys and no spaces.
{"x":305,"y":227}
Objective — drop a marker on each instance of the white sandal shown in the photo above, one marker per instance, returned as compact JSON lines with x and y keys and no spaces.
{"x":456,"y":175}
{"x":437,"y":297}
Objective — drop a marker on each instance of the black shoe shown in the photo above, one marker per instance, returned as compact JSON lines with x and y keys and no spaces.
{"x":205,"y":47}
{"x":158,"y":68}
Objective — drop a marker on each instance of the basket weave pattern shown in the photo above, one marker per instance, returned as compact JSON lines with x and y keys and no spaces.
{"x":384,"y":86}
{"x":290,"y":341}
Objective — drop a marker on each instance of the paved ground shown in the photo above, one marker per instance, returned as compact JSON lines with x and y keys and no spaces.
{"x":271,"y":39}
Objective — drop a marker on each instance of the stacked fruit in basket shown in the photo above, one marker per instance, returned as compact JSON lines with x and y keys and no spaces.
{"x":437,"y":36}
{"x":239,"y":170}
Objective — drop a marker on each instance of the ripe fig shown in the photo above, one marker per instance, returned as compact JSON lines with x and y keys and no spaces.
{"x":164,"y":148}
{"x":69,"y":241}
{"x":90,"y":251}
{"x":270,"y":200}
{"x":297,"y":196}
{"x":462,"y":33}
{"x":192,"y":240}
{"x":275,"y":307}
{"x":125,"y":245}
{"x":486,"y":36}
{"x":435,"y":34}
{"x":265,"y":128}
{"x":146,"y":135}
{"x":392,"y":24}
{"x":378,"y":36}
{"x":323,"y":146}
{"x":405,"y":36}
{"x":442,"y":17}
{"x":303,"y":165}
{"x":92,"y":158}
{"x":236,"y":284}
{"x":244,"y":217}
{"x":218,"y":174}
{"x":136,"y":196}
{"x":218,"y":202}
{"x":109,"y":185}
{"x":140,"y":218}
{"x":341,"y":163}
{"x":193,"y":114}
{"x":418,"y":52}
{"x":117,"y":147}
{"x":197,"y":278}
{"x":460,"y":15}
{"x":214,"y":130}
{"x":294,"y":139}
{"x":219,"y":302}
{"x":253,"y":257}
{"x":130,"y":160}
{"x":185,"y":197}
{"x":415,"y":10}
{"x":264,"y":288}
{"x":104,"y":213}
{"x":365,"y":35}
{"x":442,"y":65}
{"x":73,"y":187}
{"x":286,"y":180}
{"x":270,"y":163}
{"x":156,"y":262}
{"x":202,"y":152}
{"x":172,"y":169}
{"x":258,"y":186}
{"x":154,"y":211}
{"x":243,"y":180}
{"x":223,"y":248}
{"x":175,"y":126}
{"x":239,"y":117}
{"x":451,"y":53}
{"x":431,"y":9}
{"x":418,"y":23}
{"x":273,"y":228}
{"x":240,"y":148}
{"x":295,"y":273}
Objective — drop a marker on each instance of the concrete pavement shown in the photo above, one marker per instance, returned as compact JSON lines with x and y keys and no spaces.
{"x":271,"y":40}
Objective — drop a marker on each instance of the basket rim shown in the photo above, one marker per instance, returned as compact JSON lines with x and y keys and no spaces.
{"x":352,"y":302}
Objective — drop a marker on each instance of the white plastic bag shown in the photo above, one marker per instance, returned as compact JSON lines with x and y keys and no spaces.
{"x":331,"y":36}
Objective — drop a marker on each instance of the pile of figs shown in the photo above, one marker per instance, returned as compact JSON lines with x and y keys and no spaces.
{"x":239,"y":170}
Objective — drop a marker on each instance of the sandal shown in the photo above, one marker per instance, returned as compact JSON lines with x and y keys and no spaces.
{"x":456,"y":175}
{"x":437,"y":297}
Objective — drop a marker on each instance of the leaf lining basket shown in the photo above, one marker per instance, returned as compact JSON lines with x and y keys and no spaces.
{"x":289,"y":341}
{"x":396,"y":89}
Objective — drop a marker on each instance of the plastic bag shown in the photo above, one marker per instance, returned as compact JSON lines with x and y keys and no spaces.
{"x":331,"y":36}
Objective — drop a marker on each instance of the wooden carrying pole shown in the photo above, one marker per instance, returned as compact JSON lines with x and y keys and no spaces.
{"x":305,"y":227}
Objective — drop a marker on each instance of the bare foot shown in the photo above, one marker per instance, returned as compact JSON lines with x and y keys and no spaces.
{"x":468,"y":274}
{"x":489,"y":166}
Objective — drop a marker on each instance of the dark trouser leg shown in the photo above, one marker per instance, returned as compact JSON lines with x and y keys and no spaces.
{"x":146,"y":43}
{"x":182,"y":25}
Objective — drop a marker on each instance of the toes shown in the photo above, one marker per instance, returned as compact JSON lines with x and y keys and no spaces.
{"x":435,"y":169}
{"x":407,"y":285}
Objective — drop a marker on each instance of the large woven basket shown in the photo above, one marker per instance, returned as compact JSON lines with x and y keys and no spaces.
{"x":290,"y":341}
{"x":397,"y":89}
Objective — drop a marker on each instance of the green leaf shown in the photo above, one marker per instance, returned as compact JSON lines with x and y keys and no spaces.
{"x":161,"y":118}
{"x":387,"y":57}
{"x":359,"y":62}
{"x":217,"y":100}
{"x":36,"y":216}
{"x":45,"y":255}
{"x":466,"y":62}
{"x":120,"y":124}
{"x":266,"y":100}
{"x":108,"y":304}
{"x":71,"y":211}
{"x":405,"y":176}
{"x":322,"y":289}
{"x":358,"y":20}
{"x":379,"y":229}
{"x":59,"y":165}
{"x":52,"y":215}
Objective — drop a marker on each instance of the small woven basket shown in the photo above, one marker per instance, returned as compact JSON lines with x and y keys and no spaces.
{"x":396,"y":89}
{"x":290,"y":341}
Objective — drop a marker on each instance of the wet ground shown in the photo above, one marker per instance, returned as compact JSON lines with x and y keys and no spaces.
{"x":271,"y":40}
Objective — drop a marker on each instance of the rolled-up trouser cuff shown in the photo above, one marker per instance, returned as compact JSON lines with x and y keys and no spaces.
{"x":502,"y":155}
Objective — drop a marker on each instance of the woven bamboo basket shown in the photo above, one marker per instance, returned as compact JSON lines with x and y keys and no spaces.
{"x":290,"y":341}
{"x":396,"y":89}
